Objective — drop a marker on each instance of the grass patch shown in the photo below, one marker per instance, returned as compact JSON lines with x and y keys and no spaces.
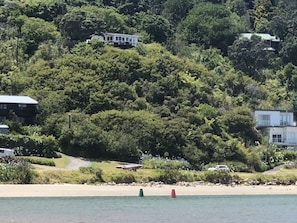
{"x":282,"y":176}
{"x":61,"y":162}
{"x":63,"y":176}
{"x":111,"y":174}
{"x":106,"y":171}
{"x":108,"y":166}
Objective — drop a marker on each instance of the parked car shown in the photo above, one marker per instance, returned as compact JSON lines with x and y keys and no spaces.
{"x":219,"y":167}
{"x":6,"y":152}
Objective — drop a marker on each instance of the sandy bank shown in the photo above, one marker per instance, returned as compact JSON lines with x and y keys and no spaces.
{"x":59,"y":190}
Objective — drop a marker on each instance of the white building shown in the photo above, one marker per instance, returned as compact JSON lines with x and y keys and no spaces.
{"x":279,"y":126}
{"x":271,"y":41}
{"x":122,"y":40}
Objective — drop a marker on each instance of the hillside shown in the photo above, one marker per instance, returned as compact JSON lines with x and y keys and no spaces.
{"x":187,"y":90}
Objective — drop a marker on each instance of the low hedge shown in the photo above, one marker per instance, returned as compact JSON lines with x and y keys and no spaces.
{"x":39,"y":160}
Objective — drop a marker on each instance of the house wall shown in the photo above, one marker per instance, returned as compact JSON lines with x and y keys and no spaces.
{"x":271,"y":41}
{"x":290,"y":135}
{"x":121,"y":39}
{"x":279,"y":126}
{"x":276,"y":131}
{"x":274,"y":118}
{"x":25,"y":112}
{"x":282,"y":135}
{"x":287,"y":118}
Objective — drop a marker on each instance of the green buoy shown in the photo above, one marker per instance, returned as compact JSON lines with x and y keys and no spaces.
{"x":140,"y":193}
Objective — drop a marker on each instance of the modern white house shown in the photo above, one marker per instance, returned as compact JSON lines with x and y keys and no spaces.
{"x":119,"y":39}
{"x":271,"y":41}
{"x":279,"y":126}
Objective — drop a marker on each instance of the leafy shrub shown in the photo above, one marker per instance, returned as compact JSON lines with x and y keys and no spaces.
{"x":123,"y":178}
{"x":161,"y":163}
{"x":238,"y":167}
{"x":91,"y":170}
{"x":13,"y":170}
{"x":222,"y":177}
{"x":255,"y":162}
{"x":289,"y":154}
{"x":168,"y":176}
{"x":23,"y":174}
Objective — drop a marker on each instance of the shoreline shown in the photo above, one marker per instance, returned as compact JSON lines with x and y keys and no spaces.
{"x":78,"y":190}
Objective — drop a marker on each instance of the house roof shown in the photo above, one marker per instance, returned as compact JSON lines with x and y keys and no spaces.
{"x":263,"y":36}
{"x":121,"y":34}
{"x":276,"y":110}
{"x":10,"y":99}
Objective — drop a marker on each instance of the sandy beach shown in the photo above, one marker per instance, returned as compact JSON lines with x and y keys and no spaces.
{"x":61,"y":190}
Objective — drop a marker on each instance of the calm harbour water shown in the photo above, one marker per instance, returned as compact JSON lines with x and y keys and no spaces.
{"x":188,"y":209}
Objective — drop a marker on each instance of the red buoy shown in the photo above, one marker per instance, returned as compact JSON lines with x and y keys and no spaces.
{"x":173,"y":195}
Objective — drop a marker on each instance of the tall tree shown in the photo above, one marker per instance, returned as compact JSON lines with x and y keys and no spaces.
{"x":157,"y":27}
{"x":250,"y":56}
{"x":209,"y":25}
{"x":240,"y":123}
{"x":36,"y":31}
{"x":284,"y":23}
{"x":79,"y":24}
{"x":176,"y":10}
{"x":289,"y":50}
{"x":263,"y":11}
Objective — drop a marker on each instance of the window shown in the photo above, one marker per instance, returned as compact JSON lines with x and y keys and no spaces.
{"x":277,"y":138}
{"x":264,"y":120}
{"x":21,"y":106}
{"x":3,"y":106}
{"x":284,"y":121}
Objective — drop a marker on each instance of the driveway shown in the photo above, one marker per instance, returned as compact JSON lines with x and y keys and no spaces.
{"x":274,"y":170}
{"x":74,"y":163}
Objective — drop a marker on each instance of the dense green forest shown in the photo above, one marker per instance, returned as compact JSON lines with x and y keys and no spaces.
{"x":187,"y":90}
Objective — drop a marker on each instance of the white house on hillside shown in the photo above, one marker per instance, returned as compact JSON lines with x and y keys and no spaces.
{"x":119,"y":39}
{"x":271,"y":41}
{"x":278,"y":125}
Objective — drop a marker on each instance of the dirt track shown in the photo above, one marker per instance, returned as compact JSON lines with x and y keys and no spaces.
{"x":275,"y":169}
{"x":74,"y":163}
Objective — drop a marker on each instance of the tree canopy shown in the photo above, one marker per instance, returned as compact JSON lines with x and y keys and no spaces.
{"x":187,"y":90}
